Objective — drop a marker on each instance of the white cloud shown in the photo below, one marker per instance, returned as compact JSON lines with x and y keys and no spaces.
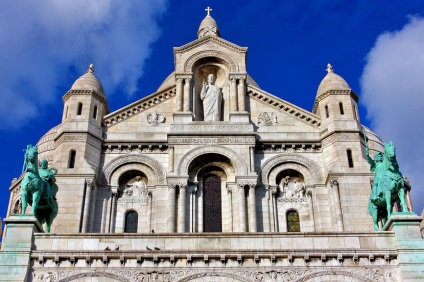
{"x":41,"y":40}
{"x":393,"y":93}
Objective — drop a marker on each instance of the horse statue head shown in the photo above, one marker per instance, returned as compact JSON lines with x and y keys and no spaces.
{"x":31,"y":158}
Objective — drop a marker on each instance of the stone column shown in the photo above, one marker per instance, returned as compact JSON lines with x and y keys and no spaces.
{"x":192,"y":189}
{"x":187,"y":83}
{"x":266,"y":212}
{"x":233,"y":95}
{"x":104,"y":216}
{"x":149,"y":209}
{"x":17,"y":244}
{"x":252,"y":158}
{"x":337,"y":204}
{"x":252,"y":209}
{"x":108,"y":212}
{"x":273,"y":207}
{"x":87,"y":204}
{"x":241,"y":95}
{"x":179,"y":94}
{"x":243,"y":215}
{"x":182,"y":199}
{"x":311,"y":207}
{"x":172,"y":209}
{"x":112,"y":213}
{"x":171,"y":158}
{"x":200,"y":207}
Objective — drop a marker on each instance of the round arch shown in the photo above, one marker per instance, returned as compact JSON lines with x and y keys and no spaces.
{"x":111,"y":277}
{"x":308,"y":177}
{"x":335,"y":273}
{"x":231,"y":275}
{"x":191,"y":61}
{"x":238,"y":163}
{"x":307,"y":166}
{"x":134,"y":162}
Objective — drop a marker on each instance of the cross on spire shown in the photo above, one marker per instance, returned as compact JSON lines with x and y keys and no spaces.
{"x":208,"y":10}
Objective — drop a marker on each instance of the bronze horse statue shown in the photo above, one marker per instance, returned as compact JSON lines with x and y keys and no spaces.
{"x":37,"y":192}
{"x":388,"y":187}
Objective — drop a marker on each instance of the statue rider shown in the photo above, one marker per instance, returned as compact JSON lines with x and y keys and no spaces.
{"x":377,"y":166}
{"x":48,"y":175}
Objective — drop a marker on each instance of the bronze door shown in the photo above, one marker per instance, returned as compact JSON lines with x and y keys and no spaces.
{"x":212,"y":206}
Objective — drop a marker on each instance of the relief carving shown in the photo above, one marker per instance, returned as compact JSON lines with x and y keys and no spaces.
{"x":135,"y":191}
{"x":155,"y":118}
{"x":267,"y":119}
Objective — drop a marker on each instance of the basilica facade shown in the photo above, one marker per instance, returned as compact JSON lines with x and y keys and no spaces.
{"x":211,"y":178}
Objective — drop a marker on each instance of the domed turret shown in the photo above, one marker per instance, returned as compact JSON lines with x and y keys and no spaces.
{"x":88,"y":81}
{"x":332,"y":81}
{"x":208,"y":26}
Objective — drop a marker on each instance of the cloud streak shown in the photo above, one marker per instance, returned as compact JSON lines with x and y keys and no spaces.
{"x":393,"y":93}
{"x":43,"y":40}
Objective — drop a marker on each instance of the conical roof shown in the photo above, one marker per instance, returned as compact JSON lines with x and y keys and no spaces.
{"x":88,"y":81}
{"x":208,"y":26}
{"x":332,"y":81}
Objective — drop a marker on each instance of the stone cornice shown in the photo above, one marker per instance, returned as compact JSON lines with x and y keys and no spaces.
{"x":86,"y":92}
{"x":334,"y":92}
{"x":282,"y":105}
{"x":206,"y":39}
{"x":139,"y":106}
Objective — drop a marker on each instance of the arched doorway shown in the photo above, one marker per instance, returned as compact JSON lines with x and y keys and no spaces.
{"x":212,"y":207}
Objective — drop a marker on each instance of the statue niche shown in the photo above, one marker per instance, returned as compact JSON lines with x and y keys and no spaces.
{"x":133,"y":190}
{"x":292,"y":185}
{"x":209,"y":93}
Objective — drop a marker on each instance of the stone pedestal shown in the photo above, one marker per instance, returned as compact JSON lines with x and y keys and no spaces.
{"x":16,"y":247}
{"x":409,"y":243}
{"x":183,"y":117}
{"x":242,"y":117}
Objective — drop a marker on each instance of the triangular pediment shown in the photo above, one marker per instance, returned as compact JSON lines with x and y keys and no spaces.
{"x":139,"y":106}
{"x":211,"y":41}
{"x":283,"y":106}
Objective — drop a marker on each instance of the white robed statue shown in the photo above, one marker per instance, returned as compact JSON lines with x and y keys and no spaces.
{"x":211,"y":96}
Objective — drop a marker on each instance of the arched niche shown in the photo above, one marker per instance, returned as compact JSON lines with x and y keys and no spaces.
{"x":201,"y":69}
{"x":153,"y":169}
{"x":308,"y":168}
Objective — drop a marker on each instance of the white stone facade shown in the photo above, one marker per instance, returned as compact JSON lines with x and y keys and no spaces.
{"x":142,"y":175}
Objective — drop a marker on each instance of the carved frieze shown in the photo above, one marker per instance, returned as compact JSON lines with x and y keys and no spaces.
{"x":211,"y":140}
{"x":247,"y":274}
{"x":210,"y":128}
{"x":340,"y":137}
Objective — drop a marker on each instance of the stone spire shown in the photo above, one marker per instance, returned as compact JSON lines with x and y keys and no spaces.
{"x":208,"y":26}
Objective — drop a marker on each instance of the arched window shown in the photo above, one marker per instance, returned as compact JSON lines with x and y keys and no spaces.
{"x":341,"y":108}
{"x":327,"y":113}
{"x":293,"y":223}
{"x":79,"y":110}
{"x":349,"y":157}
{"x":95,"y":112}
{"x":72,"y":156}
{"x":66,"y":112}
{"x":131,"y":222}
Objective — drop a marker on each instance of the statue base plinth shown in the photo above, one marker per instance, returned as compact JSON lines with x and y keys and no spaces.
{"x":183,"y":117}
{"x":242,"y":117}
{"x":409,"y":243}
{"x":17,"y":245}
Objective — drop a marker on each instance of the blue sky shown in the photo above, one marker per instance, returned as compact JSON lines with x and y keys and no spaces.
{"x":376,"y":46}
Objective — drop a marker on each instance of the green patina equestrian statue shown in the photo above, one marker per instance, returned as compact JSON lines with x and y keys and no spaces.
{"x":38,"y":188}
{"x":388,"y":186}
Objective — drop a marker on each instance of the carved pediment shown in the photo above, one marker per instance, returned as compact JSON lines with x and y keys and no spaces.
{"x":284,"y":106}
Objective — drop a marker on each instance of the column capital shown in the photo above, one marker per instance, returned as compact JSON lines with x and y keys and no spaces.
{"x":241,"y":76}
